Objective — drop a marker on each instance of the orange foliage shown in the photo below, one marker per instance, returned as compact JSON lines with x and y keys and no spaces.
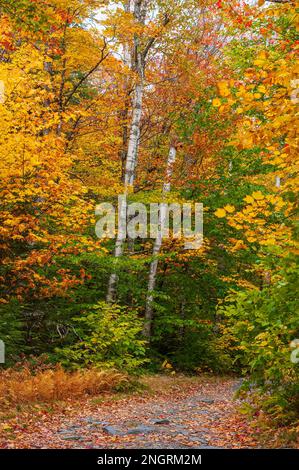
{"x":19,"y":387}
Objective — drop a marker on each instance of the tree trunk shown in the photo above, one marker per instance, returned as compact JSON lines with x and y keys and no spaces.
{"x":149,"y":311}
{"x":278,"y":182}
{"x":137,"y":61}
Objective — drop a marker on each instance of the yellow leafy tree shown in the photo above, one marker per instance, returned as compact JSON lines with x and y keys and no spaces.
{"x":266,"y":101}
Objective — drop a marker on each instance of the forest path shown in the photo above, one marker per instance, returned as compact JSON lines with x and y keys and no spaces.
{"x":177,"y":413}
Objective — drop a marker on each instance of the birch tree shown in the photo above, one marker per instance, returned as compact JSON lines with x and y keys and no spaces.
{"x":136,"y":59}
{"x":152,"y":279}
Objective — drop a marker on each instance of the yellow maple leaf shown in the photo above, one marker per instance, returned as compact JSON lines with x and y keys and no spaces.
{"x":249,"y":199}
{"x":262,"y":89}
{"x":220,"y":213}
{"x":216,"y":102}
{"x":258,"y":196}
{"x":230,"y":209}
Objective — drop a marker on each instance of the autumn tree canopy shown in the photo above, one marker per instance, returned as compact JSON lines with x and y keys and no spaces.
{"x":180,"y":101}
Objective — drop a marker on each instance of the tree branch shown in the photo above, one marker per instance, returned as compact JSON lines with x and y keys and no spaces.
{"x":87,"y":75}
{"x":152,"y":40}
{"x":279,"y":1}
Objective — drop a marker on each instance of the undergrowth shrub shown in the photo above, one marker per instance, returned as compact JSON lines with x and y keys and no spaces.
{"x":260,"y":327}
{"x":110,"y":337}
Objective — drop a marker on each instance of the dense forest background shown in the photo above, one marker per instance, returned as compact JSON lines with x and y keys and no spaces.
{"x":189,"y":100}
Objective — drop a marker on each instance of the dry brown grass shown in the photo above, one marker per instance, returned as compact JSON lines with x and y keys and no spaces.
{"x":21,"y":387}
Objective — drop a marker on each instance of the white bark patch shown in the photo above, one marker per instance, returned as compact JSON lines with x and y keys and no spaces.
{"x":134,"y":138}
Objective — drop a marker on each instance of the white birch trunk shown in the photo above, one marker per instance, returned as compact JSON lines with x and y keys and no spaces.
{"x":278,"y":182}
{"x":149,"y":311}
{"x":121,"y":237}
{"x":137,"y":63}
{"x":134,"y":137}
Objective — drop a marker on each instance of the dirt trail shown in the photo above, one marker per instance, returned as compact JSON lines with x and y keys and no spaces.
{"x":198,"y":414}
